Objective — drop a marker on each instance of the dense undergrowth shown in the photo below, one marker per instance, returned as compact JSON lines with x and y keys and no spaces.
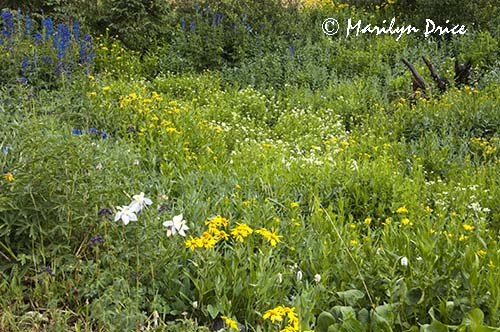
{"x":290,"y":181}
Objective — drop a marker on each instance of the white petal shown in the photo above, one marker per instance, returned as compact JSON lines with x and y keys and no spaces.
{"x":181,"y":232}
{"x":132,"y":217}
{"x":168,"y":223}
{"x":148,"y":201}
{"x":135,"y":206}
{"x":178,"y":218}
{"x":169,"y":232}
{"x":125,"y":219}
{"x":118,"y":216}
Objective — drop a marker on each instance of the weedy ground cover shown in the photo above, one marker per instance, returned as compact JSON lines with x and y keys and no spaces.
{"x":286,"y":189}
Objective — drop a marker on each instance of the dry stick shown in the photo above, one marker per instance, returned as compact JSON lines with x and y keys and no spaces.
{"x":462,"y":72}
{"x":418,"y":80}
{"x":352,"y":258}
{"x":435,"y":76}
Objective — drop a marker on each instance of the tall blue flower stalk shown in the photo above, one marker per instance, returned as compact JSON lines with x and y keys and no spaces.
{"x":53,"y":49}
{"x":8,"y":23}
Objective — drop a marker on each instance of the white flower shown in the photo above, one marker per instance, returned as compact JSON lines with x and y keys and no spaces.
{"x":280,"y":278}
{"x":317,"y":278}
{"x":126,"y":214}
{"x":404,"y":261}
{"x":176,"y":225}
{"x":299,"y":275}
{"x":139,"y":202}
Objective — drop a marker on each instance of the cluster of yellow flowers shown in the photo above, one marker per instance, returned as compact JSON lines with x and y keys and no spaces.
{"x":278,"y":315}
{"x":214,"y":234}
{"x":487,"y":146}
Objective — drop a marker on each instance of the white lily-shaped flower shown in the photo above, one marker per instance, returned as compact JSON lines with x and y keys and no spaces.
{"x":176,"y":225}
{"x":126,"y":214}
{"x":139,"y":202}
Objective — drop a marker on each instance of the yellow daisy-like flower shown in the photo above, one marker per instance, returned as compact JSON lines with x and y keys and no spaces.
{"x":241,"y":231}
{"x":294,"y":205}
{"x":406,"y":222}
{"x":271,"y":236}
{"x":230,"y":322}
{"x":468,"y":228}
{"x":8,"y":176}
{"x":193,"y":243}
{"x":368,"y":221}
{"x":402,"y":210}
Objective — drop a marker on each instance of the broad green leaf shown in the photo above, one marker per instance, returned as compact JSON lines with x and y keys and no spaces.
{"x":351,"y":297}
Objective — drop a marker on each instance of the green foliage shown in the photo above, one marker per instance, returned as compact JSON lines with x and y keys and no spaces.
{"x":370,"y":208}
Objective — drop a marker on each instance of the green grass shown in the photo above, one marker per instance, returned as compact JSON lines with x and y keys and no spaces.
{"x":387,"y":209}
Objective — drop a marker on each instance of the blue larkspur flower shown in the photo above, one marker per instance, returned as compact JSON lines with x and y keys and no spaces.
{"x":193,"y":25}
{"x":28,"y":25}
{"x":76,"y":131}
{"x":38,"y":38}
{"x":63,"y":39}
{"x":76,"y":30}
{"x":8,"y":23}
{"x":48,"y":26}
{"x":183,"y":25}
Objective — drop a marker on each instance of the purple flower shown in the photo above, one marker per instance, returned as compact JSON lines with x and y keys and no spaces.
{"x":292,"y":50}
{"x":92,"y":130}
{"x":76,"y":131}
{"x":193,"y":25}
{"x":183,"y":25}
{"x":103,"y":134}
{"x":96,"y":240}
{"x":104,"y":212}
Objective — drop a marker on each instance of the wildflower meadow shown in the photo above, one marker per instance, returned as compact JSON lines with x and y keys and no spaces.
{"x":230,"y":166}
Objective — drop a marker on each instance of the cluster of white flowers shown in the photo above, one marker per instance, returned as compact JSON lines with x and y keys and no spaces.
{"x":128,"y":213}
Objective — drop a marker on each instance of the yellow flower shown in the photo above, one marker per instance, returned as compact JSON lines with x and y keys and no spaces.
{"x":216,"y":222}
{"x":92,"y":94}
{"x":241,"y":231}
{"x":428,"y":209}
{"x":463,"y":237}
{"x":402,"y":210}
{"x":406,"y":222}
{"x":229,"y":322}
{"x":106,"y":88}
{"x":481,"y":253}
{"x":271,"y":236}
{"x":354,"y":242}
{"x":468,"y":228}
{"x":387,"y":221}
{"x":193,"y":243}
{"x":294,"y":205}
{"x":368,"y":221}
{"x":8,"y":176}
{"x":208,"y":240}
